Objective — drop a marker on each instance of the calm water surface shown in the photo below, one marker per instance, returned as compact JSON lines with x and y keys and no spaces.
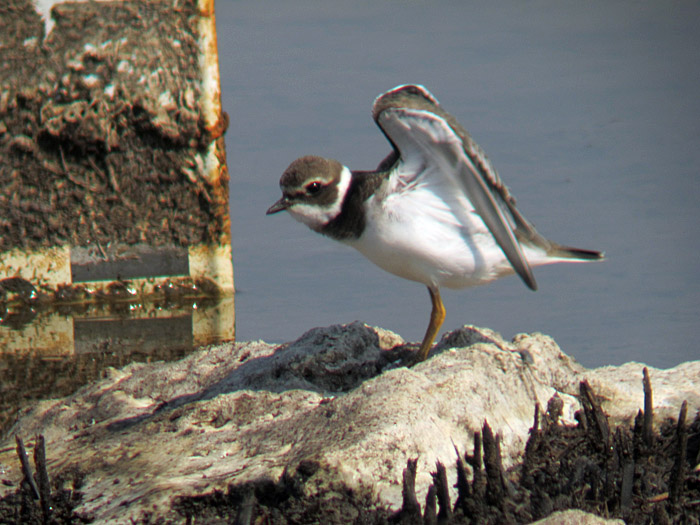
{"x":590,"y":113}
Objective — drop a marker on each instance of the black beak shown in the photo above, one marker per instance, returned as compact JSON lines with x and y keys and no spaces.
{"x":280,"y":205}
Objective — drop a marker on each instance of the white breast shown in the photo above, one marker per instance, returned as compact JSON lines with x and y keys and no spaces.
{"x":417,"y":236}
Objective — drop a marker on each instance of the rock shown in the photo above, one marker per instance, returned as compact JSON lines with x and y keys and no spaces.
{"x":576,"y":517}
{"x":336,"y":398}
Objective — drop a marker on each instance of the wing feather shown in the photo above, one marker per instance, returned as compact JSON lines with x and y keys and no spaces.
{"x":427,"y":142}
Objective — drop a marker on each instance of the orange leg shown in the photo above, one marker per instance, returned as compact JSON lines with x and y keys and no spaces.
{"x":437,"y":316}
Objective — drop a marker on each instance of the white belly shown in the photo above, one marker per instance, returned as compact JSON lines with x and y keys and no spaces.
{"x":420,"y":239}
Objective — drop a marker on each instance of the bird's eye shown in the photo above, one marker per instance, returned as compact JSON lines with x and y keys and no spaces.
{"x":312,"y":188}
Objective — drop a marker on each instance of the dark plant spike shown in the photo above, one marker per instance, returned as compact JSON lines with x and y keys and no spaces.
{"x":463,"y":488}
{"x":411,"y":507}
{"x":679,"y":467}
{"x":595,"y":418}
{"x":42,"y":475}
{"x":26,"y":469}
{"x":531,"y":446}
{"x":443,"y":493}
{"x":475,"y":461}
{"x":430,"y":515}
{"x":648,"y":410}
{"x":492,"y":465}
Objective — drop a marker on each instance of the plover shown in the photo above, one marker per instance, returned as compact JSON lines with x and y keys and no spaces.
{"x":434,"y":211}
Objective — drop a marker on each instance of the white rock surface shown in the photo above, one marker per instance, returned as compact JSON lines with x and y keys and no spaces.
{"x":236,"y":413}
{"x":576,"y":517}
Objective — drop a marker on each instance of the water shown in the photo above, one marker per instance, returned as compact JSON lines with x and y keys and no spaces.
{"x":590,"y":113}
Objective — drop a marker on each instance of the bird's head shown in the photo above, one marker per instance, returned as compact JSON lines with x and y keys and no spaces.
{"x":313,"y":189}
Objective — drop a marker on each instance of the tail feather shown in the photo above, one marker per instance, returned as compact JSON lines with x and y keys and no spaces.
{"x":576,"y":254}
{"x":544,"y":251}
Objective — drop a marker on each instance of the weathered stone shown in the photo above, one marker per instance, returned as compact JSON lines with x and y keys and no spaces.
{"x":245,"y":412}
{"x":576,"y":517}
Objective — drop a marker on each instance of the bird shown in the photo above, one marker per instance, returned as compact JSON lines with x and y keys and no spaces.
{"x":434,"y":211}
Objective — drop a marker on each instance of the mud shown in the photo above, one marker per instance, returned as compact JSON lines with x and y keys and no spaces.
{"x":101,"y":131}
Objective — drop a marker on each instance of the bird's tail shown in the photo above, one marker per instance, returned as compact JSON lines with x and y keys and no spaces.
{"x":557,"y":251}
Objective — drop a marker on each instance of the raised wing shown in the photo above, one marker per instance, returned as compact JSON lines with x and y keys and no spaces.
{"x":425,"y":139}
